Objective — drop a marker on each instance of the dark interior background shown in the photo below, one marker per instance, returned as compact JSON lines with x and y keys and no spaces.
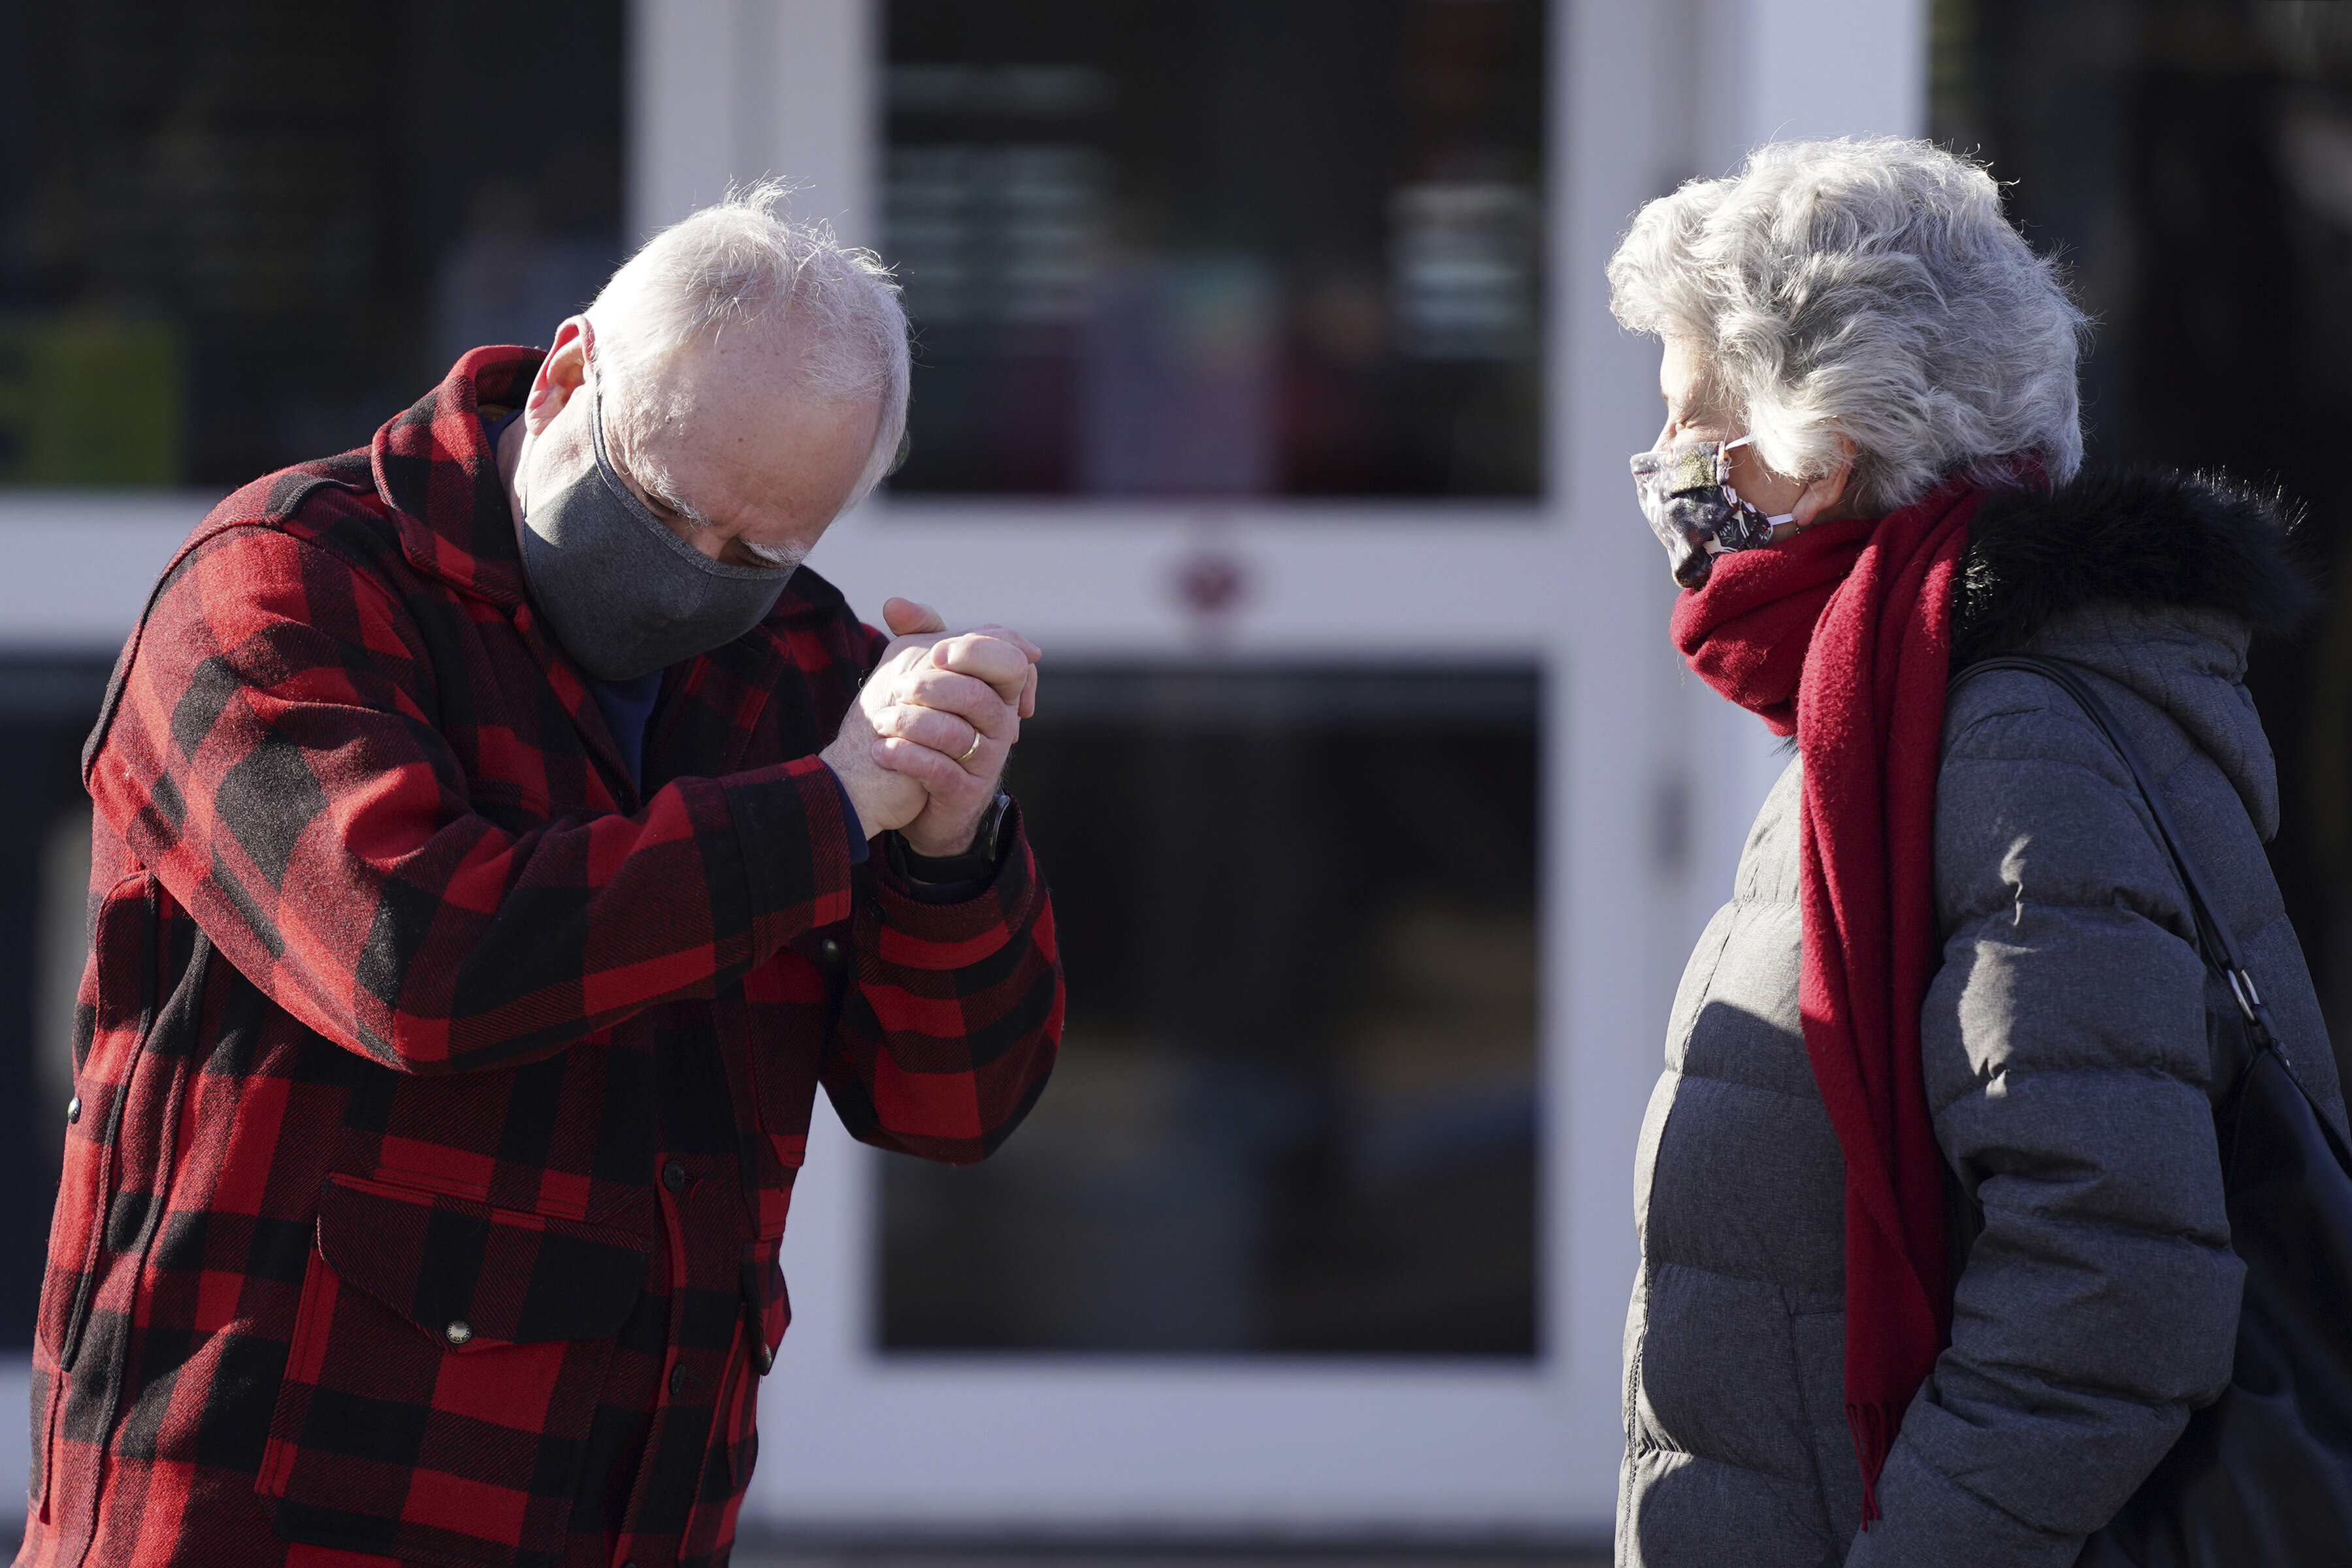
{"x":1296,"y":1109}
{"x":2193,"y":160}
{"x":239,"y":234}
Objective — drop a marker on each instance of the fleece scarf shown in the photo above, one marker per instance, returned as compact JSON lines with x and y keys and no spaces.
{"x":1842,"y":637}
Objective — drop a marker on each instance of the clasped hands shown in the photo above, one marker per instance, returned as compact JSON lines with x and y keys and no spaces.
{"x":923,"y":747}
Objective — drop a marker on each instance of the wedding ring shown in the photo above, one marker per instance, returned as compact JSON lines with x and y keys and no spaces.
{"x":975,"y":748}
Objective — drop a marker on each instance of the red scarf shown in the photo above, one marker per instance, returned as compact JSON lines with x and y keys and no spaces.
{"x":1844,"y":635}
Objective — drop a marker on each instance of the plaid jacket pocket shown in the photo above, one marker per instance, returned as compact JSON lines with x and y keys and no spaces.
{"x":443,"y":1376}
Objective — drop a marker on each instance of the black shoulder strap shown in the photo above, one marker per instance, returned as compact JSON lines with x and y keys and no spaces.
{"x":2217,"y":942}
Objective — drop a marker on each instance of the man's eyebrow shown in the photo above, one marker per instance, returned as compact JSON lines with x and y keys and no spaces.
{"x":673,"y":503}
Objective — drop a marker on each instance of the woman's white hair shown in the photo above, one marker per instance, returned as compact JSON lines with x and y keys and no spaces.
{"x":1869,"y":289}
{"x":737,"y":264}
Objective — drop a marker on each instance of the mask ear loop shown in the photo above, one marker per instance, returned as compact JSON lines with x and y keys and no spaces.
{"x":1723,"y":478}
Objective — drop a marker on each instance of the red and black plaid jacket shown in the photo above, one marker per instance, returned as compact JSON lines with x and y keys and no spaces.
{"x":440,"y":1090}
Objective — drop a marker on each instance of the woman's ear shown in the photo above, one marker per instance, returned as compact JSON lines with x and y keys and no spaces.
{"x":1825,"y":495}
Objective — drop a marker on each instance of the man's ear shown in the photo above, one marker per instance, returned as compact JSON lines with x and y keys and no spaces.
{"x":1824,"y":493}
{"x":561,"y":375}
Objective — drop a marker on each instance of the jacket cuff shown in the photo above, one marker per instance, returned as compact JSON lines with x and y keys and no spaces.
{"x":1931,"y":1521}
{"x":794,"y":836}
{"x":858,"y":848}
{"x":923,"y":934}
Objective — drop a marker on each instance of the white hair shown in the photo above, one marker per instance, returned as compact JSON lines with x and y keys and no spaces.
{"x":1870,"y":288}
{"x":736,"y":263}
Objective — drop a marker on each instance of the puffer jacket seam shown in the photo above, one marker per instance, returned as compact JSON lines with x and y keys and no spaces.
{"x":1973,"y":917}
{"x":2159,"y":1242}
{"x":2094,"y":744}
{"x":2019,"y":707}
{"x":1743,"y":1083}
{"x":1677,"y":1044}
{"x":2121,"y":783}
{"x":1819,"y":1491}
{"x":2115,"y":782}
{"x":1715,"y":962}
{"x":1780,"y":1285}
{"x":2104,"y":1069}
{"x":2173,"y":903}
{"x":2109,"y":1392}
{"x":2101,"y":906}
{"x":1797,"y":1374}
{"x":1962,"y":1487}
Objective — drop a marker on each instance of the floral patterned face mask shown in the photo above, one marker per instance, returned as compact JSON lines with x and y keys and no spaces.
{"x":1686,"y":494}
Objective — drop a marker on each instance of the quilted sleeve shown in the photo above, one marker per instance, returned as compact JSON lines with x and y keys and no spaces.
{"x":952,"y":1017}
{"x":2066,"y":1058}
{"x":272,"y":758}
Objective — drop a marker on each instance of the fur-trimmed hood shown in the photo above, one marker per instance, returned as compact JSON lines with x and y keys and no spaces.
{"x":2157,"y":579}
{"x":2142,"y":539}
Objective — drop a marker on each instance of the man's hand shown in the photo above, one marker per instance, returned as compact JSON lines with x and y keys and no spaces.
{"x":922,"y":748}
{"x":882,"y":799}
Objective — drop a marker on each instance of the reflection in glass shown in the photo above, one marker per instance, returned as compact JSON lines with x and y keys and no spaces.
{"x":1219,"y":246}
{"x":1296,"y":1109}
{"x":242,"y":234}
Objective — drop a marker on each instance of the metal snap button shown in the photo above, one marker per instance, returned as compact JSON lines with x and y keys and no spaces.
{"x":73,"y":1110}
{"x":829,"y":953}
{"x":460,"y":1331}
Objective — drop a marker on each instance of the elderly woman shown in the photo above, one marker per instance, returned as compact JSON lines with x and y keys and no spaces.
{"x":1867,"y":479}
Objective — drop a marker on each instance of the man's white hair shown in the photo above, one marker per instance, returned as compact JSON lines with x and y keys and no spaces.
{"x":1869,"y":289}
{"x":736,"y":264}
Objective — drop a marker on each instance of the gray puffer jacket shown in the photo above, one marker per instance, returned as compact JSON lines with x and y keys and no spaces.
{"x":2066,"y":1064}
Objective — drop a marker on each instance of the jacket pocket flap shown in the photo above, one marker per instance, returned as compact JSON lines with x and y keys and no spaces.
{"x":473,"y":1276}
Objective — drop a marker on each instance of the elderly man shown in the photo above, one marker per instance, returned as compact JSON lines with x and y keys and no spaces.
{"x":482,"y":889}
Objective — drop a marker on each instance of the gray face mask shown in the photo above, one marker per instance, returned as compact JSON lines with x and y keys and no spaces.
{"x":1686,"y":494}
{"x":624,"y":595}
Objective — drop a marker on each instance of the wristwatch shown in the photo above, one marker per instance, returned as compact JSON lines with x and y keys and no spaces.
{"x":976,"y":864}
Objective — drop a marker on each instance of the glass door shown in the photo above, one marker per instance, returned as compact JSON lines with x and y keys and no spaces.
{"x":1210,"y":254}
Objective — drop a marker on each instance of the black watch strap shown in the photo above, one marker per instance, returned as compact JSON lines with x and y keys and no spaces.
{"x":977,"y":864}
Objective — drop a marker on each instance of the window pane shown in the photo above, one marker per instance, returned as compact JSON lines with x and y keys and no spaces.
{"x":242,"y":234}
{"x":1295,"y":1106}
{"x":1219,"y":246}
